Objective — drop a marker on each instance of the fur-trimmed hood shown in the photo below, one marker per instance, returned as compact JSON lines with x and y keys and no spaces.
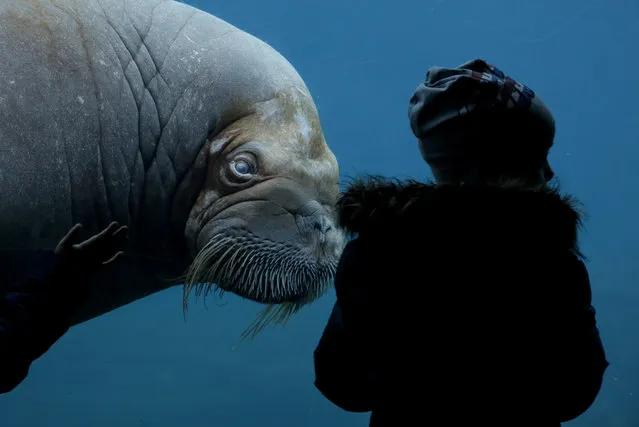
{"x":373,"y":204}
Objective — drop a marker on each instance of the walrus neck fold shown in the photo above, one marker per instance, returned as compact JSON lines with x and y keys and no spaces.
{"x":543,"y":215}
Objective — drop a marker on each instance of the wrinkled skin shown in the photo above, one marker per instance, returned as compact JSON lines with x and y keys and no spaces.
{"x":199,"y":137}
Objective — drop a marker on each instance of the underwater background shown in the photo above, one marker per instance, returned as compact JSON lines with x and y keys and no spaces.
{"x":144,"y":365}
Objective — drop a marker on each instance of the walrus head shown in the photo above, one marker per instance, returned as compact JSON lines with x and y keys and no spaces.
{"x":264,"y":225}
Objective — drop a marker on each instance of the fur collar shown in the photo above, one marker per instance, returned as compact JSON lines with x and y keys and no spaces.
{"x":376,"y":203}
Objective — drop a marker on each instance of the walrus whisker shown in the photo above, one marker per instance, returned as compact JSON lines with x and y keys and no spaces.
{"x":260,"y":270}
{"x":212,"y":272}
{"x":263,"y":319}
{"x":246,"y":271}
{"x":258,"y":324}
{"x":224,"y":266}
{"x":272,"y":314}
{"x":199,"y":265}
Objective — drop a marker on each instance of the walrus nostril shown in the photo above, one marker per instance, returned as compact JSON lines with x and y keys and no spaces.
{"x":312,"y":221}
{"x":323,"y":226}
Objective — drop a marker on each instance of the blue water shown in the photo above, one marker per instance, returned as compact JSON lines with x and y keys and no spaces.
{"x":142,"y":365}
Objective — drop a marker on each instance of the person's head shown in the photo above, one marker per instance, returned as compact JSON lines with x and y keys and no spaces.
{"x":476,"y":125}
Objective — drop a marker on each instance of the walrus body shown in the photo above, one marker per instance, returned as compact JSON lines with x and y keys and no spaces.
{"x":198,"y":136}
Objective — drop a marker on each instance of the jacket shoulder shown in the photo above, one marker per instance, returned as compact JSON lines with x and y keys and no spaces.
{"x":374,"y":204}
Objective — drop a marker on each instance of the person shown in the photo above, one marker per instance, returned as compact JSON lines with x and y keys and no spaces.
{"x":465,"y":300}
{"x":37,"y":313}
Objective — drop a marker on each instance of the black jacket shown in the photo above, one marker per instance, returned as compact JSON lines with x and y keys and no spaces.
{"x":460,"y":304}
{"x":33,"y":316}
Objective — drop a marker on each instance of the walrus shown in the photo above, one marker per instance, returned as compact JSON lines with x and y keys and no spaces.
{"x":201,"y":138}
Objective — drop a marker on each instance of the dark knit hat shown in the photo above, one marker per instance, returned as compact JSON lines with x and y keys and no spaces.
{"x":476,"y":114}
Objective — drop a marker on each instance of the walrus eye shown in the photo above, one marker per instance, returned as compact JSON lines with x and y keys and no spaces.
{"x":243,"y":167}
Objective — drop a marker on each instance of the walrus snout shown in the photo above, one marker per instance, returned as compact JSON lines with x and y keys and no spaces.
{"x":268,"y":252}
{"x":314,"y":222}
{"x":322,"y":226}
